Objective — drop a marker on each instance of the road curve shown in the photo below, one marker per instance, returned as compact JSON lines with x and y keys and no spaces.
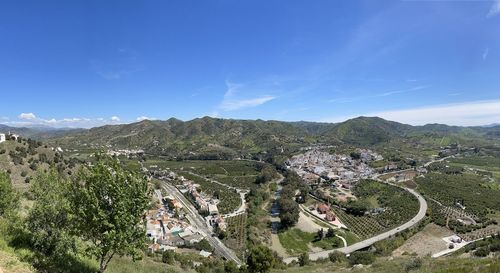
{"x":370,"y":241}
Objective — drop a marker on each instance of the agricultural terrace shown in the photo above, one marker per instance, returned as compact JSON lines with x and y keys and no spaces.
{"x":478,"y":199}
{"x":486,"y":163}
{"x":236,"y":233}
{"x":239,"y":174}
{"x":229,"y":199}
{"x":236,"y":173}
{"x":397,"y":207}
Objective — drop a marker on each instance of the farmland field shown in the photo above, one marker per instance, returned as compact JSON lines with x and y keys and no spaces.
{"x":236,"y":173}
{"x":237,"y":232}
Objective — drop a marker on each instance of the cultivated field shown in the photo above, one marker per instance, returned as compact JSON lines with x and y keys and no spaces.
{"x":425,"y":242}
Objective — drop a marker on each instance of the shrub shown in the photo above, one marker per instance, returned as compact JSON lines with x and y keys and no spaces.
{"x":168,"y":257}
{"x":361,"y":257}
{"x":304,"y":259}
{"x":482,"y":252}
{"x":337,"y":257}
{"x":413,"y":264}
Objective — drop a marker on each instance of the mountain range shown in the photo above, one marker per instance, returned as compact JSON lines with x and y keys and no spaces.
{"x":229,"y":137}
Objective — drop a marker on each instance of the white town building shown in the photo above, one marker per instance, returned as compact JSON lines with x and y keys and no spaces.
{"x":2,"y":138}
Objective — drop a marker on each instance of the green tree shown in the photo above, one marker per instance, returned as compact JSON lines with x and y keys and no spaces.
{"x":49,"y":220}
{"x":330,"y":233}
{"x":289,"y":211}
{"x":168,"y":257}
{"x":109,"y":204}
{"x":231,"y":267}
{"x":9,"y":199}
{"x":267,"y":174}
{"x":260,"y":260}
{"x":321,"y":234}
{"x":304,"y":259}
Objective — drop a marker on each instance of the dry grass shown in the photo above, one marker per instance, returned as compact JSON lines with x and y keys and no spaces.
{"x":9,"y":263}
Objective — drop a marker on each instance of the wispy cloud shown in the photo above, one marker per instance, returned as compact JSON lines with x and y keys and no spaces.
{"x":494,"y":10}
{"x":122,"y":63}
{"x":236,"y":104}
{"x":473,"y":113}
{"x":234,"y":99}
{"x":383,"y":94}
{"x":485,"y":53}
{"x":115,"y":118}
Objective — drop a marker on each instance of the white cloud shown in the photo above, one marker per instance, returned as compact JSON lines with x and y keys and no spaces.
{"x":474,"y":113}
{"x":233,"y":99}
{"x":115,"y":118}
{"x":494,"y":10}
{"x":141,"y":118}
{"x":27,"y":116}
{"x":28,"y":121}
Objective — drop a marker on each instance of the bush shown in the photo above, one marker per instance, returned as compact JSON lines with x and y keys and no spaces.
{"x":413,"y":264}
{"x":337,"y":257}
{"x":482,"y":252}
{"x":362,"y":257}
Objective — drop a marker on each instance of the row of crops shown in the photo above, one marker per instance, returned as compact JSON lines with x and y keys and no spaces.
{"x":363,"y":226}
{"x":236,"y":233}
{"x":229,"y":199}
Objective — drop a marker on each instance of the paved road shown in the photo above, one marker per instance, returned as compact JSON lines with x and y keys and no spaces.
{"x":370,"y":241}
{"x":199,"y":223}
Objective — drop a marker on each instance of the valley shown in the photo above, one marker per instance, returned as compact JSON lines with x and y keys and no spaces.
{"x":300,"y":195}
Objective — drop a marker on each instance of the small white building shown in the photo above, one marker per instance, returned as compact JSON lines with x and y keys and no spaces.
{"x":212,"y":209}
{"x":2,"y":138}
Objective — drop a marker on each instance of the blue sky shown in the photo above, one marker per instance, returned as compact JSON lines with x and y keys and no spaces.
{"x":88,"y":63}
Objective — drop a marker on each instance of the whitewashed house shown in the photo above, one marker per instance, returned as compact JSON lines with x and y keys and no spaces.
{"x":2,"y":138}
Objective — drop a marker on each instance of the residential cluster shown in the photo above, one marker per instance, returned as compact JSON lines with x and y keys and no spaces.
{"x":168,"y":228}
{"x":126,"y":152}
{"x":316,"y":166}
{"x":205,"y":203}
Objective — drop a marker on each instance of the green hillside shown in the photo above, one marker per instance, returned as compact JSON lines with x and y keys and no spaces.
{"x":214,"y":138}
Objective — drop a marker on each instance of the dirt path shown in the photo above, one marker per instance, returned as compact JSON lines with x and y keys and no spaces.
{"x":306,"y":224}
{"x":276,"y":246}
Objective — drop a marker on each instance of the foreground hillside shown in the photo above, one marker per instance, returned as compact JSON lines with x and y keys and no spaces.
{"x":390,"y":265}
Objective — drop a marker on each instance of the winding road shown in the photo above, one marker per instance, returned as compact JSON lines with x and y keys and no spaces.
{"x":370,"y":241}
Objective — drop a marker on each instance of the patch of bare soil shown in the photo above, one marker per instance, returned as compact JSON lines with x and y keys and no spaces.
{"x":427,"y":241}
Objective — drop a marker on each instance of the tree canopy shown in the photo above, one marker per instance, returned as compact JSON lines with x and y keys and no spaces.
{"x":9,"y":198}
{"x":109,"y":203}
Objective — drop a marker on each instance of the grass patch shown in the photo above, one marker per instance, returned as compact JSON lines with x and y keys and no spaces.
{"x":126,"y":265}
{"x":296,"y":241}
